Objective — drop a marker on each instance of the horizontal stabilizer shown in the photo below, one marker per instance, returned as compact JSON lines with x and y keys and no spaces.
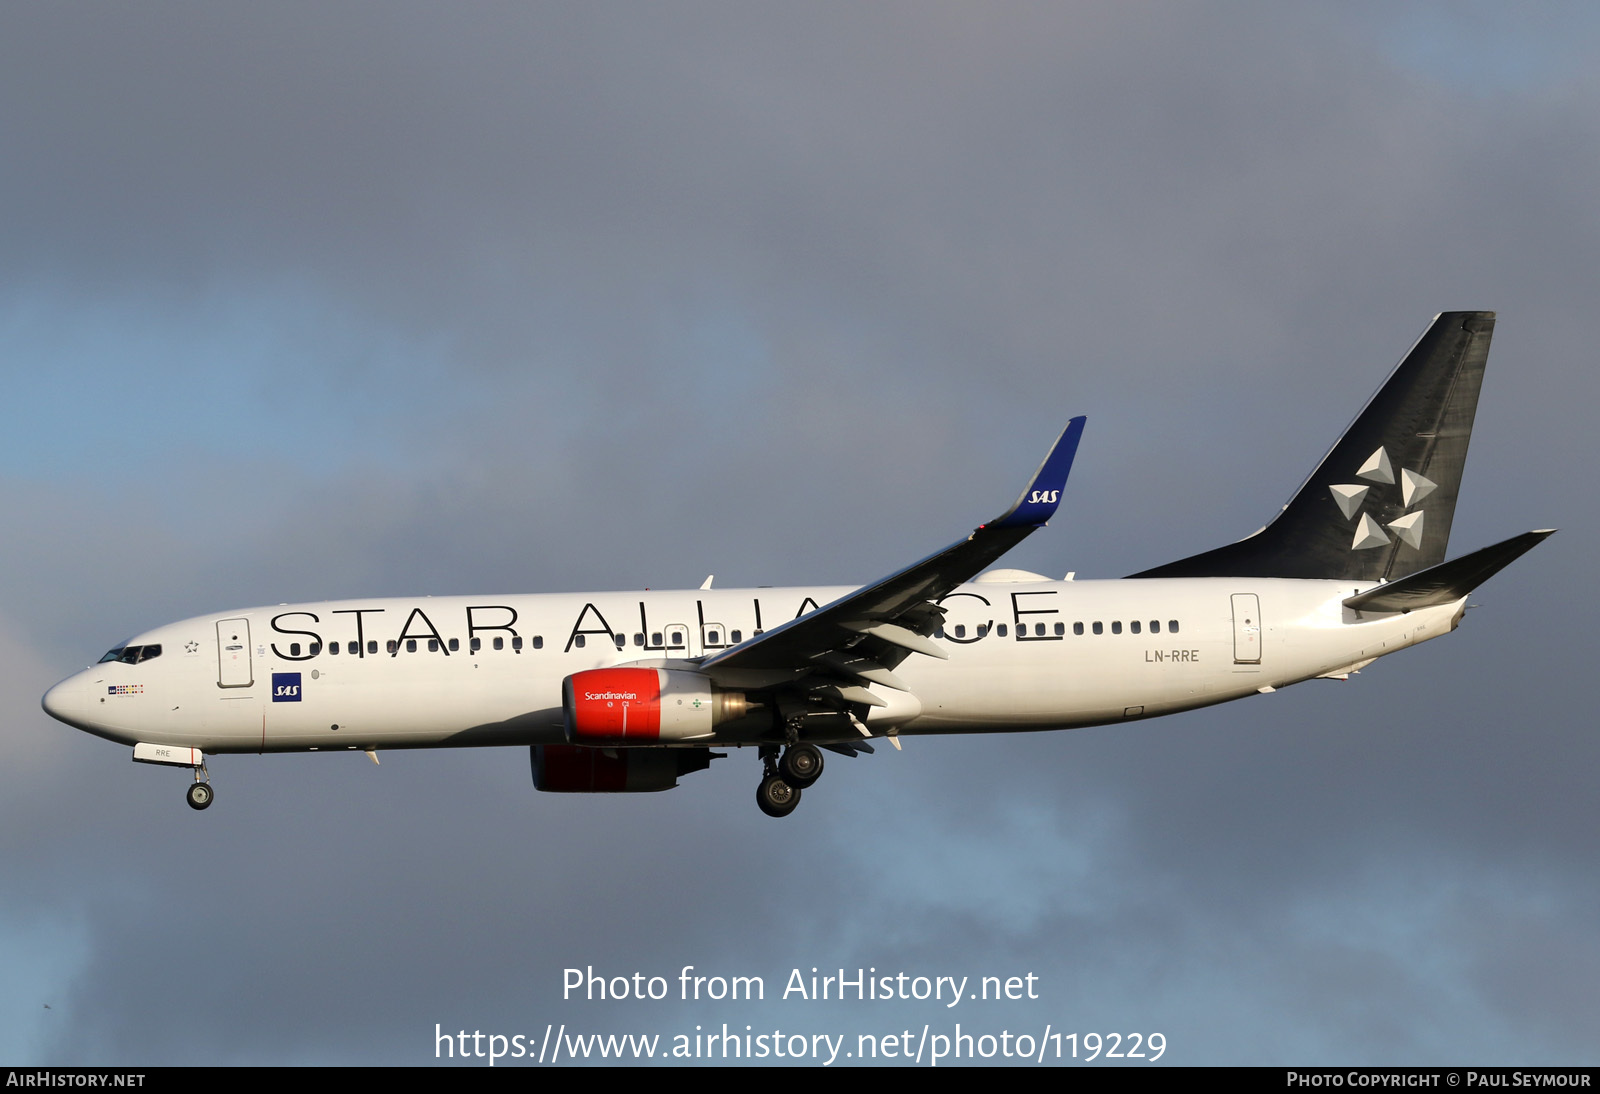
{"x":1448,"y":581}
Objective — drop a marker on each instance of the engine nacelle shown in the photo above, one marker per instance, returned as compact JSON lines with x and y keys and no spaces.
{"x":638,"y":706}
{"x":572,"y":770}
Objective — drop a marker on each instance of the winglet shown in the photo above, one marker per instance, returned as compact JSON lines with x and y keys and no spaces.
{"x":1041,"y":497}
{"x":901,"y":609}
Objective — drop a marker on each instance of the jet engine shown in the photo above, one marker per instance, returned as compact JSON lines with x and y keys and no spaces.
{"x":639,"y":706}
{"x":573,"y":770}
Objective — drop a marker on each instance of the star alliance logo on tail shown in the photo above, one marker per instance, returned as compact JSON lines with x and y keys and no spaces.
{"x":1369,"y":533}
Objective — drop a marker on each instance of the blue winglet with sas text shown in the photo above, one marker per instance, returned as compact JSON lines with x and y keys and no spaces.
{"x":1039,"y":501}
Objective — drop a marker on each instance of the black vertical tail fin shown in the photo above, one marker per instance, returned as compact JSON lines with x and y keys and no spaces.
{"x":1380,"y":505}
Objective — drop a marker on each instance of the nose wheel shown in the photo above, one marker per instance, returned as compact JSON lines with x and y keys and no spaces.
{"x":200,"y":795}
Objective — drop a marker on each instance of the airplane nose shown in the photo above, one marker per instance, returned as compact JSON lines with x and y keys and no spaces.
{"x":67,"y":702}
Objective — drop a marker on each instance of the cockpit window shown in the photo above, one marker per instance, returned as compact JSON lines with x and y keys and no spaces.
{"x":132,"y":655}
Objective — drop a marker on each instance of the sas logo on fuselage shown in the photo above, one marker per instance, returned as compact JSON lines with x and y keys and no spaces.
{"x":1044,"y":497}
{"x":286,"y":687}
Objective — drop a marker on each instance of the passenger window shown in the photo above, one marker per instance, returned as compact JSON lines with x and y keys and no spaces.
{"x":433,"y":645}
{"x":1099,"y":627}
{"x":516,"y":643}
{"x":1116,"y":626}
{"x":455,"y":645}
{"x":394,"y":646}
{"x":939,"y":633}
{"x":638,"y":639}
{"x":736,"y":637}
{"x":538,"y":642}
{"x":655,"y":638}
{"x":983,"y":630}
{"x":499,"y":643}
{"x":294,"y":650}
{"x":677,"y":638}
{"x":621,"y":640}
{"x":961,"y":630}
{"x":314,"y":649}
{"x":1172,"y":626}
{"x":1038,"y":630}
{"x":1077,"y":628}
{"x":333,"y":647}
{"x":1001,"y":630}
{"x":476,"y":644}
{"x":580,"y":640}
{"x":1155,"y":626}
{"x":411,"y":645}
{"x":1061,"y":628}
{"x":1134,"y":627}
{"x":372,"y":645}
{"x":715,"y":638}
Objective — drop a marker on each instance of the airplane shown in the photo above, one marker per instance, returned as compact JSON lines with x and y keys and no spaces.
{"x":631,"y":691}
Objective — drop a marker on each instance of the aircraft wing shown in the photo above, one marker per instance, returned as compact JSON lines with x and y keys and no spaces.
{"x":863,"y":634}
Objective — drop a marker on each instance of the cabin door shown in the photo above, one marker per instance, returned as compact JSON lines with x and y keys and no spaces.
{"x":233,"y":654}
{"x":1246,"y":629}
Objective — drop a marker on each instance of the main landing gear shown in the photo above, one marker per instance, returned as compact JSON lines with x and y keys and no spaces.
{"x":776,"y":797}
{"x":200,"y":794}
{"x":783,"y":778}
{"x":801,"y":765}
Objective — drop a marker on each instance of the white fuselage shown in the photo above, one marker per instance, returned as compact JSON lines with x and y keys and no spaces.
{"x":430,"y":672}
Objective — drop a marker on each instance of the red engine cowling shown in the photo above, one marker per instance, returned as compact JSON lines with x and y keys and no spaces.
{"x":637,"y":706}
{"x":572,"y":770}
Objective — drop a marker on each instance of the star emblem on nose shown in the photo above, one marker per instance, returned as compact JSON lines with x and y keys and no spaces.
{"x":1380,"y":470}
{"x":190,"y":647}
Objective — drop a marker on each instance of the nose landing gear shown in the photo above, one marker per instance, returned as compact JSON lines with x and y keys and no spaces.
{"x":200,"y":795}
